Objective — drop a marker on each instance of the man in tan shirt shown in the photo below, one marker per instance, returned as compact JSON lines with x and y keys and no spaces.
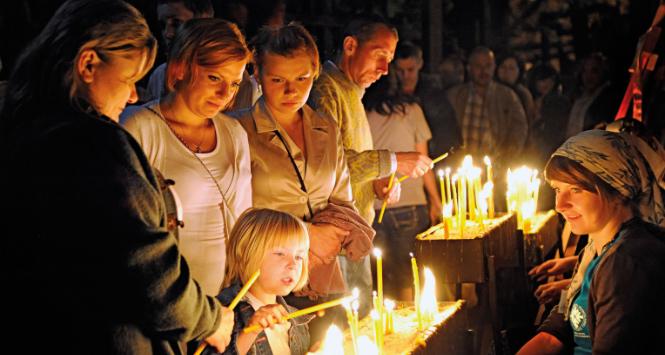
{"x":367,"y":49}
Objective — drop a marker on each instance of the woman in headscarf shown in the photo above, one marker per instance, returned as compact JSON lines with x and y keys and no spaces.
{"x":609,"y":185}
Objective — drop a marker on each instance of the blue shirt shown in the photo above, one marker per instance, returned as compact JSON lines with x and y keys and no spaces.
{"x":579,"y":310}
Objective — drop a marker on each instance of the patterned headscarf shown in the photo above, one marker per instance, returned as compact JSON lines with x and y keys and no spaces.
{"x":635,"y":168}
{"x":625,"y":162}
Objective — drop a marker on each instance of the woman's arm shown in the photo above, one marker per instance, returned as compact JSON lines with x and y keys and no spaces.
{"x":542,"y":344}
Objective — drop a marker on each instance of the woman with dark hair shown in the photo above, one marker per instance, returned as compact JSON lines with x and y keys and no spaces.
{"x":398,"y":124}
{"x":510,"y":71}
{"x":609,"y":185}
{"x":551,"y":111}
{"x":94,"y":265}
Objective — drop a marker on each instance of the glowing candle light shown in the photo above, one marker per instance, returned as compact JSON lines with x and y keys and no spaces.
{"x":379,"y":279}
{"x":377,"y":321}
{"x":351,"y":315}
{"x":366,"y":346}
{"x":334,"y":342}
{"x":442,"y":188}
{"x":448,"y":195}
{"x":389,"y":306}
{"x":428,"y":303}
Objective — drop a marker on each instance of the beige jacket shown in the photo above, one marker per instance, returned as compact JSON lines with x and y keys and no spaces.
{"x":335,"y":95}
{"x":275,"y":183}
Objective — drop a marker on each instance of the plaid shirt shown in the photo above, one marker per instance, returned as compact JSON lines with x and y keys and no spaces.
{"x":476,"y":127}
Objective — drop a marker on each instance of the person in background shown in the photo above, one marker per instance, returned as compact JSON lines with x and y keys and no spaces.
{"x":206,"y":153}
{"x":605,"y":187}
{"x":510,"y":72}
{"x":367,"y":48}
{"x":94,"y":250}
{"x":439,"y":114}
{"x":596,"y":100}
{"x":275,"y":243}
{"x":398,"y":124}
{"x":490,"y":114}
{"x":172,"y":14}
{"x":451,"y":71}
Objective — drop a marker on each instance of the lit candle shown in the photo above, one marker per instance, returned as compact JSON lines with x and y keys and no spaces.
{"x":490,"y":179}
{"x":416,"y":290}
{"x":379,"y":279}
{"x":447,"y":219}
{"x":454,"y":191}
{"x":389,"y":306}
{"x":428,"y":304}
{"x":334,"y":342}
{"x":378,"y":329}
{"x":448,"y":195}
{"x":443,"y":190}
{"x":350,"y":317}
{"x":366,"y":346}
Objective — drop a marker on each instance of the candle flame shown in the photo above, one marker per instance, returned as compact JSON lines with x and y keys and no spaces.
{"x":428,"y":302}
{"x":448,"y":171}
{"x":487,"y":161}
{"x":355,"y":305}
{"x":377,"y":252}
{"x":440,"y":173}
{"x":448,"y":209}
{"x":528,"y":209}
{"x":367,"y":346}
{"x":334,"y":342}
{"x":467,"y":162}
{"x":355,"y":293}
{"x":389,"y":305}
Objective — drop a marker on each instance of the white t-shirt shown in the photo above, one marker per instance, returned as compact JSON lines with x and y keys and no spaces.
{"x":400,"y":133}
{"x":278,"y":334}
{"x":202,"y":239}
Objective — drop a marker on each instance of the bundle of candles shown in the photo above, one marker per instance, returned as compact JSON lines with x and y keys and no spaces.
{"x":382,"y":316}
{"x":522,"y":195}
{"x":462,"y":197}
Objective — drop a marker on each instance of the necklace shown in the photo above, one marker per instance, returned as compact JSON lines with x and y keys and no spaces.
{"x":196,"y":147}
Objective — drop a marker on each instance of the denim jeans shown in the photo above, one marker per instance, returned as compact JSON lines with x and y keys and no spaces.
{"x":396,"y":238}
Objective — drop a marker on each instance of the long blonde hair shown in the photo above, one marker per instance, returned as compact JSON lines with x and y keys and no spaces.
{"x":257,"y":231}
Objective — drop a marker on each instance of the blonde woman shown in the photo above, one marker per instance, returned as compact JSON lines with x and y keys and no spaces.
{"x":94,"y":261}
{"x":205,"y":152}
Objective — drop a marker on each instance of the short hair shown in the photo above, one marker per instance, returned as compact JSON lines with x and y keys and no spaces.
{"x":204,"y":42}
{"x":200,"y":8}
{"x":571,"y":172}
{"x":286,"y":41}
{"x":256,"y":232}
{"x":541,"y":72}
{"x":45,"y":74}
{"x":362,"y":28}
{"x":480,"y":50}
{"x":407,"y":50}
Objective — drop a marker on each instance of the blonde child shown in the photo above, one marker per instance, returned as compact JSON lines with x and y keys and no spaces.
{"x":277,"y":244}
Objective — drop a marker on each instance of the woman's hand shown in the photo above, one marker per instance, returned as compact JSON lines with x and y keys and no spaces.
{"x":550,"y":292}
{"x":553,"y":267}
{"x":326,"y":240}
{"x":222,"y":336}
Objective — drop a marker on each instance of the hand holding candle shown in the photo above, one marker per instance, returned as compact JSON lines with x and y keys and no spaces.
{"x":235,"y":302}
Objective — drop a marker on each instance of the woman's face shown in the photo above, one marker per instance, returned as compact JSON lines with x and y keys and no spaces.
{"x":286,"y":82}
{"x":113,"y":83}
{"x":586,"y":211}
{"x":544,"y":86}
{"x":212,"y":89}
{"x":508,"y":71}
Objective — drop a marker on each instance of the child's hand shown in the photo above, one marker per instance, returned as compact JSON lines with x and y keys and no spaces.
{"x":268,"y":315}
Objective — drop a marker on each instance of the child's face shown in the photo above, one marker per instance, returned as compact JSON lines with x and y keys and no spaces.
{"x":281,"y":269}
